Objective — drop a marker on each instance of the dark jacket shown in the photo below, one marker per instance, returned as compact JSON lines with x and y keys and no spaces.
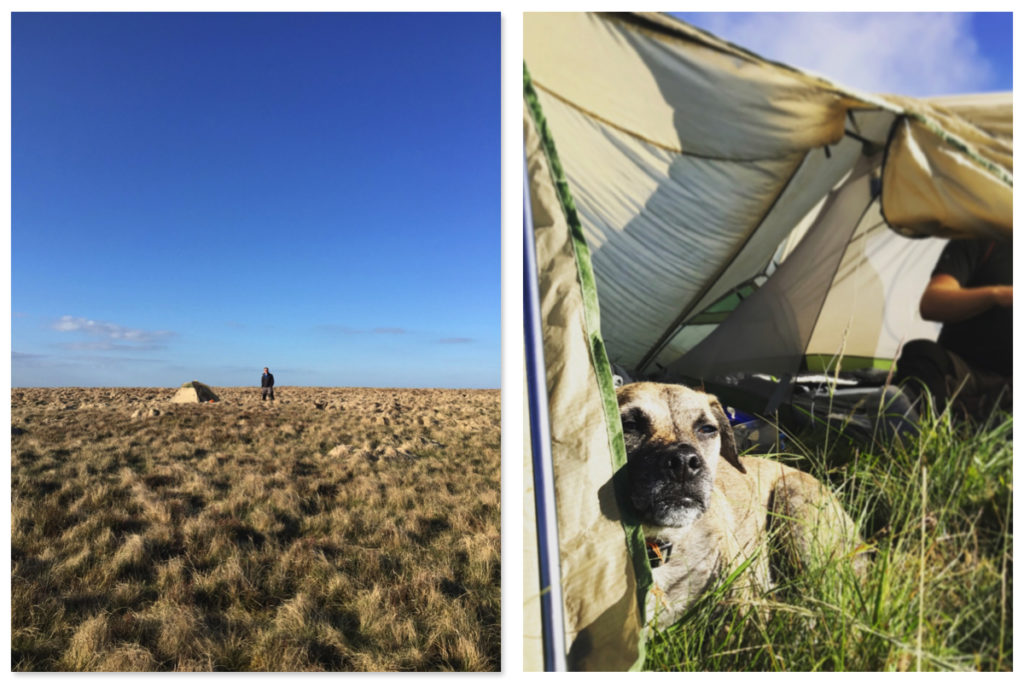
{"x":267,"y":380}
{"x":986,"y":340}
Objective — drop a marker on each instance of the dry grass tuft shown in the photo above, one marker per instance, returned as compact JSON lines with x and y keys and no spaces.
{"x":337,"y":529}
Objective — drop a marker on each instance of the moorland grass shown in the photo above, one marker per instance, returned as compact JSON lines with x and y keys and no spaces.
{"x":338,"y":529}
{"x":936,"y":510}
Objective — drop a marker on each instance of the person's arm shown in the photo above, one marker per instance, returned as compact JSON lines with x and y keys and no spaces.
{"x":945,"y":301}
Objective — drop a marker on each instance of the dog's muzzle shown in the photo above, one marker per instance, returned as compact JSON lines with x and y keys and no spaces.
{"x":665,"y":480}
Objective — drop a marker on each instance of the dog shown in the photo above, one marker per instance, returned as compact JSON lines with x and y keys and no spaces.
{"x":705,"y":510}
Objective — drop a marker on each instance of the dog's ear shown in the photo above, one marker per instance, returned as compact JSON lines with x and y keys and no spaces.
{"x":729,"y":451}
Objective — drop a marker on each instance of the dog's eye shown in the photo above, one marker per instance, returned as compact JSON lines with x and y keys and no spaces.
{"x":633,"y":421}
{"x":707,"y":429}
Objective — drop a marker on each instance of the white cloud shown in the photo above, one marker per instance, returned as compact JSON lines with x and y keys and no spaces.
{"x":139,"y":339}
{"x":902,"y":53}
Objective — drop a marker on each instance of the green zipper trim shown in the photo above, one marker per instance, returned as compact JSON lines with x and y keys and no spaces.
{"x":821,"y":362}
{"x":635,"y":545}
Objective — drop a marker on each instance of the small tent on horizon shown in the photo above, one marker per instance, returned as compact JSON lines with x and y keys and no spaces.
{"x":194,"y":392}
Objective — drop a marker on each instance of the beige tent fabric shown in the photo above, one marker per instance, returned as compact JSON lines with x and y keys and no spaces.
{"x":679,"y":94}
{"x":982,"y":121}
{"x":603,"y":619}
{"x":950,"y":165}
{"x":627,"y":190}
{"x":689,"y":159}
{"x":930,"y":187}
{"x":818,"y":173}
{"x":781,"y":316}
{"x":991,"y":112}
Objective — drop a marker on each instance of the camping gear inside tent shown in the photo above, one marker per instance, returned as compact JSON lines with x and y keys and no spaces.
{"x":703,"y":215}
{"x":194,"y":392}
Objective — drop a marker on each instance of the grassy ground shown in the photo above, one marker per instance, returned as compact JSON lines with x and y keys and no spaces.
{"x":939,"y":595}
{"x":339,"y":529}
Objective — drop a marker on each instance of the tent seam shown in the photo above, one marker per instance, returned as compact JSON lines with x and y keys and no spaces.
{"x":832,"y":278}
{"x":881,"y":175}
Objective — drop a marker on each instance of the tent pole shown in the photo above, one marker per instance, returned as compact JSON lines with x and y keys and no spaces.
{"x":552,"y":617}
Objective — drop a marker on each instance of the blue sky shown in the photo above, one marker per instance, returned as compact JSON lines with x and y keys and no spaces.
{"x":917,"y":54}
{"x":195,"y":196}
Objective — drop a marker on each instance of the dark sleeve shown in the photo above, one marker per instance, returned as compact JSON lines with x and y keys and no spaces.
{"x":959,"y":259}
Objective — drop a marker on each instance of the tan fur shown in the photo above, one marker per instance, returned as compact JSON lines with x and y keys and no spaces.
{"x":750,"y":499}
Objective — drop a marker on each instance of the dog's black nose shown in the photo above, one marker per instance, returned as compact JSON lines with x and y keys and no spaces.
{"x":684,"y":464}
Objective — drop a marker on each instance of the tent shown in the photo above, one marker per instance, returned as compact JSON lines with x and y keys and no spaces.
{"x":701,"y":214}
{"x":194,"y":392}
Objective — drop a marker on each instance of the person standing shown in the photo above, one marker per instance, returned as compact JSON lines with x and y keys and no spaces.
{"x":267,"y":383}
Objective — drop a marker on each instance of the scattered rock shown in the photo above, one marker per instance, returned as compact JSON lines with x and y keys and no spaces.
{"x":16,"y":431}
